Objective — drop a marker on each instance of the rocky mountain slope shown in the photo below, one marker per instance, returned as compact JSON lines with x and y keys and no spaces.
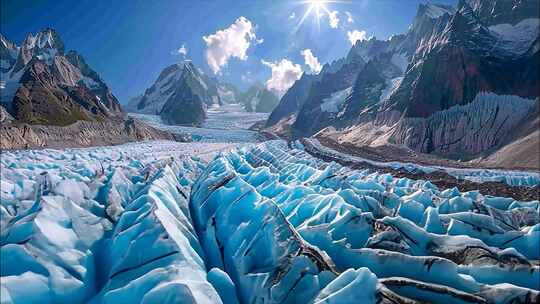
{"x":180,"y":95}
{"x":52,"y":98}
{"x":258,"y":99}
{"x":80,"y":134}
{"x":457,"y":84}
{"x":42,"y":84}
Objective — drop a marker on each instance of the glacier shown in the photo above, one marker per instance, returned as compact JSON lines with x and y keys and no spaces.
{"x":167,"y":222}
{"x":510,"y":177}
{"x":227,"y":123}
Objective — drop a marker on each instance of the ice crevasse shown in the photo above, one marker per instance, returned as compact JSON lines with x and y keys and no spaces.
{"x":265,"y":223}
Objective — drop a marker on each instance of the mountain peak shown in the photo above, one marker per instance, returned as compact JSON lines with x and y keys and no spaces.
{"x":434,"y":11}
{"x":46,"y":39}
{"x":491,"y":12}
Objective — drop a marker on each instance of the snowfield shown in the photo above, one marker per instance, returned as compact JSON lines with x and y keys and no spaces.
{"x":166,"y":222}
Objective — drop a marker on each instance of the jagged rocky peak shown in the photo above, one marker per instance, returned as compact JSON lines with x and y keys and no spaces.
{"x":445,"y":60}
{"x":294,"y":98}
{"x":364,"y":50}
{"x":46,"y":39}
{"x":45,"y":85}
{"x":44,"y":45}
{"x":8,"y":54}
{"x":432,"y":11}
{"x":180,"y":95}
{"x":491,"y":12}
{"x":171,"y":83}
{"x":427,"y":15}
{"x":259,"y":99}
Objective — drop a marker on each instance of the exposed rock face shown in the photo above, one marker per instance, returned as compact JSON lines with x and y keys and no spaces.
{"x":43,"y":85}
{"x":412,"y":89}
{"x":311,"y":116}
{"x":468,"y":129}
{"x":79,"y":134}
{"x":185,"y":107}
{"x":53,"y":99}
{"x":492,"y":12}
{"x":228,"y":93}
{"x":8,"y":54}
{"x":131,"y":105}
{"x":180,"y":95}
{"x":259,"y":99}
{"x":462,"y":61}
{"x":5,"y":117}
{"x":293,"y":99}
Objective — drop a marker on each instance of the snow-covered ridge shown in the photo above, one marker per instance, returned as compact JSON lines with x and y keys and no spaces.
{"x":516,"y":39}
{"x":436,"y":11}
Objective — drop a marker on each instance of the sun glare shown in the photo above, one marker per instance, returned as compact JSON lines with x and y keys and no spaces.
{"x":317,"y":8}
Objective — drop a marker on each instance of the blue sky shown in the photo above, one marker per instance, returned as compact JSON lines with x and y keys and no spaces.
{"x":129,"y":42}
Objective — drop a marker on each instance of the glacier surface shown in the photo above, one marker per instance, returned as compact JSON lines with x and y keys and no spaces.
{"x":228,"y":123}
{"x":251,"y":223}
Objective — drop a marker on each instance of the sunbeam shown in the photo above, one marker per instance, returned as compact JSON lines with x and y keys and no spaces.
{"x":318,"y":8}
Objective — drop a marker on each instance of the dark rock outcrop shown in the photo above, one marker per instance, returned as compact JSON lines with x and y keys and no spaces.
{"x":293,"y":99}
{"x":185,"y":107}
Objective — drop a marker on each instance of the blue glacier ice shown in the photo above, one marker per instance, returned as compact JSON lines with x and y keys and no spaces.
{"x":256,"y":223}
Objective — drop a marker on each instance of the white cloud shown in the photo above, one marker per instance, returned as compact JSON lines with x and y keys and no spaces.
{"x":311,"y":61}
{"x":232,"y":42}
{"x":183,"y":50}
{"x":356,"y":35}
{"x":292,"y":15}
{"x":284,"y":74}
{"x":333,"y":19}
{"x":350,"y":18}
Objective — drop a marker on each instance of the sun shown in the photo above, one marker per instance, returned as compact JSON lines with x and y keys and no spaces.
{"x":318,"y":5}
{"x":317,"y":8}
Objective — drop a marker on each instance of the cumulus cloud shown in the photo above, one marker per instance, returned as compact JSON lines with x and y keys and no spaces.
{"x":232,"y":42}
{"x":311,"y":61}
{"x":284,"y":74}
{"x":333,"y":19}
{"x":350,"y":18}
{"x":356,"y":35}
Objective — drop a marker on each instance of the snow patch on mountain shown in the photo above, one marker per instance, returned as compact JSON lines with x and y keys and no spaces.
{"x":333,"y":103}
{"x":435,"y":11}
{"x":516,"y":39}
{"x":400,"y":60}
{"x":390,"y":86}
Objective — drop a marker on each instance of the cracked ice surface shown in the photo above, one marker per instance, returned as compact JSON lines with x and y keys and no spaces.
{"x":150,"y":223}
